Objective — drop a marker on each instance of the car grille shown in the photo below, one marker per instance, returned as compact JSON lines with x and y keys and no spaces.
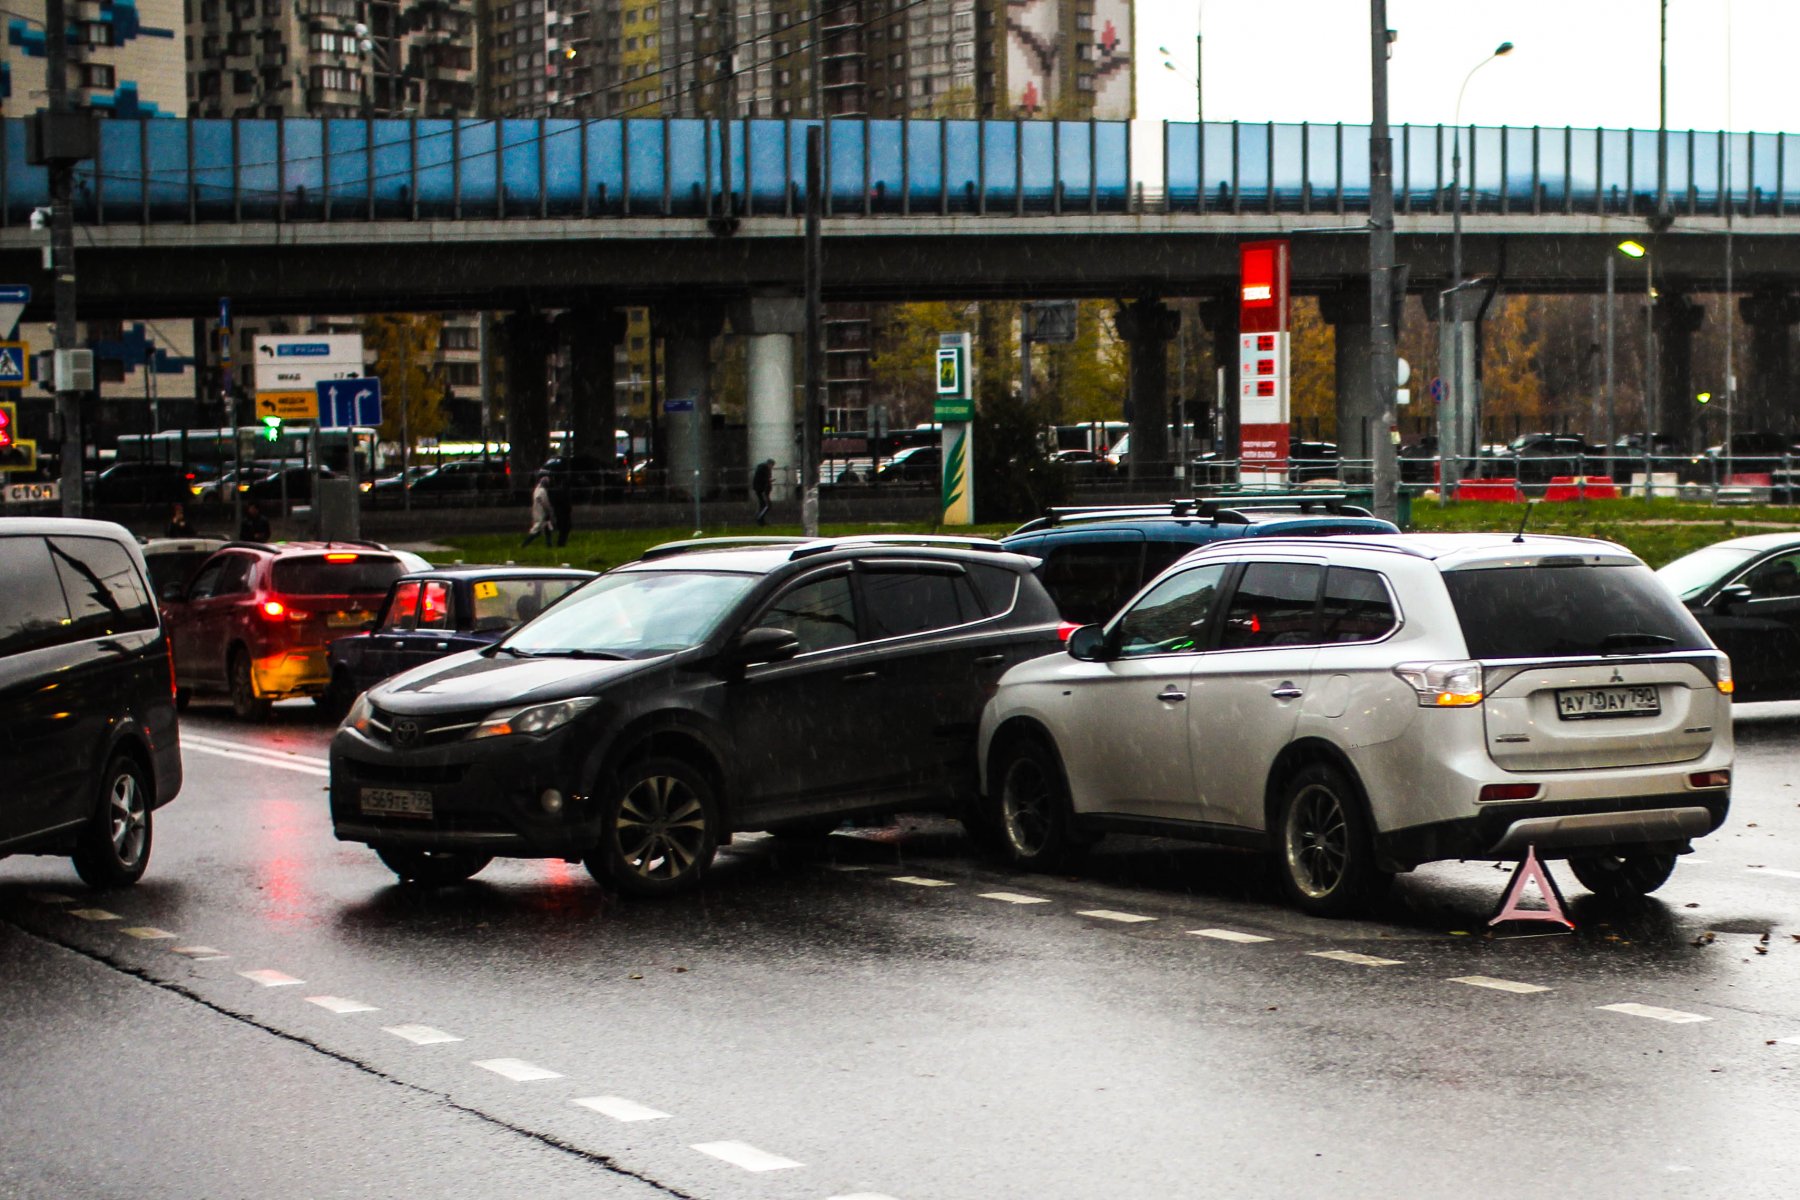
{"x":407,"y":733}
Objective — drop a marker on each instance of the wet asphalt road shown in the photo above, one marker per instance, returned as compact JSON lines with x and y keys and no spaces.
{"x":885,"y":1016}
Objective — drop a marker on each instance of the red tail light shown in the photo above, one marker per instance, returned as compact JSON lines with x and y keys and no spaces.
{"x":340,"y":558}
{"x":1064,"y":629}
{"x":1508,"y":791}
{"x":174,"y":690}
{"x":273,"y":609}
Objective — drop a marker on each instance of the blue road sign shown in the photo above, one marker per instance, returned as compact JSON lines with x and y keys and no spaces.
{"x":225,"y":311}
{"x":347,"y":402}
{"x":678,"y":406}
{"x":1437,"y":389}
{"x":15,"y":293}
{"x":13,"y":299}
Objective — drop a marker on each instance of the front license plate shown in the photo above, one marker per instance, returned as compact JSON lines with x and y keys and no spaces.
{"x":1589,"y":704}
{"x":345,"y":620}
{"x":395,"y":802}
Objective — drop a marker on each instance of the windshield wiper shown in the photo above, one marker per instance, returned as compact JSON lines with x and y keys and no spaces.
{"x":1638,"y":641}
{"x":601,"y":654}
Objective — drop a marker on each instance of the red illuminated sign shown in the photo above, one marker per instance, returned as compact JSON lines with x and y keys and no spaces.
{"x":1263,"y":288}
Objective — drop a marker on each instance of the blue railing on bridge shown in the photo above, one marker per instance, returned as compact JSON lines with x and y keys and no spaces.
{"x":303,"y":169}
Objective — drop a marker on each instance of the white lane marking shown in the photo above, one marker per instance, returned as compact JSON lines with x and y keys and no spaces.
{"x":863,"y":1196}
{"x":219,"y":743}
{"x":1672,"y":1015}
{"x":262,"y":760}
{"x":742,"y":1154}
{"x":199,"y":953}
{"x":1350,"y":956}
{"x":621,"y":1109}
{"x":517,"y":1069}
{"x":916,"y":881}
{"x":93,"y":914}
{"x":50,"y":897}
{"x":1230,"y":935}
{"x":1774,"y":871}
{"x":1793,"y":1041}
{"x":845,"y":867}
{"x":338,"y":1004}
{"x":1013,"y":898}
{"x":1107,"y":914}
{"x":147,"y":933}
{"x":271,"y":978}
{"x":1499,"y":985}
{"x":420,"y":1035}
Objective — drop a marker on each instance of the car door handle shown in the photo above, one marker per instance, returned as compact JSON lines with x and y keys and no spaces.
{"x":861,"y":676}
{"x":990,"y":660}
{"x":1287,"y":691}
{"x":1171,"y":696}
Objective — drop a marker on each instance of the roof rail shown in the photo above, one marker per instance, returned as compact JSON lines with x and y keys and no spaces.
{"x":949,"y":541}
{"x":1198,"y":506}
{"x":246,"y":544}
{"x":749,"y":541}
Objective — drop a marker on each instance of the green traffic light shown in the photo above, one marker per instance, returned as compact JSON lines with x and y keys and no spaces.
{"x":1704,"y":397}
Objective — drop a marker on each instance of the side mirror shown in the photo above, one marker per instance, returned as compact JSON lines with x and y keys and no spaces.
{"x":1730,"y":597}
{"x":1088,"y":643}
{"x":765,"y":644}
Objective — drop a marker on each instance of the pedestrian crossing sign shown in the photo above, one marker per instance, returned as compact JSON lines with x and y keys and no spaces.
{"x":15,"y":365}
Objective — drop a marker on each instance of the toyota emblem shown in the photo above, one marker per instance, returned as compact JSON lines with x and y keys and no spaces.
{"x":406,"y":731}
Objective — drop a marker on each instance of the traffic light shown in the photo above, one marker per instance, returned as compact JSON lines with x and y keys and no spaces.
{"x":8,"y":413}
{"x":1704,"y":397}
{"x":271,"y":429}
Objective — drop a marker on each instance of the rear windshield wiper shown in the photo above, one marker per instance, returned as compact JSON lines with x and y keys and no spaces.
{"x":1636,"y":641}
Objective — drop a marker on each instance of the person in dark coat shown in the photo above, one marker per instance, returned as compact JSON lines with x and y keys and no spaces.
{"x":254,"y":527}
{"x":763,"y":484}
{"x":562,"y":503}
{"x":178,"y":523}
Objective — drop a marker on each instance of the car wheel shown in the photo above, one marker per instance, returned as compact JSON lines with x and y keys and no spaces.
{"x":1032,"y":818}
{"x":434,"y":868}
{"x":336,"y":699}
{"x":660,"y":829}
{"x":1623,"y":876}
{"x":114,"y":847}
{"x":1326,"y":857}
{"x":246,"y":705}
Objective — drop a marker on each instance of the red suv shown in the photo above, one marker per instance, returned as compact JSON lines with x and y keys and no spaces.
{"x":255,"y":619}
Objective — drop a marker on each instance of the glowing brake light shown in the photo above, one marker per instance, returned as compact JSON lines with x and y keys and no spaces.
{"x":273,"y":609}
{"x":340,"y":558}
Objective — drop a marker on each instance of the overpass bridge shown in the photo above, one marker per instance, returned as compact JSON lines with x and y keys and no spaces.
{"x":310,"y":215}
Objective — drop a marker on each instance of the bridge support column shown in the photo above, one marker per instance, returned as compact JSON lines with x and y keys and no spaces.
{"x":1677,"y":317}
{"x":1220,"y":316}
{"x":768,"y":325}
{"x":687,"y":329}
{"x":1771,"y":315}
{"x":1147,"y":324}
{"x":528,"y":344}
{"x":1359,"y":409}
{"x":591,"y":332}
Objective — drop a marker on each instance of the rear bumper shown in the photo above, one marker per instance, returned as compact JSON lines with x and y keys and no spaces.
{"x":1561,"y":828}
{"x":291,"y":673}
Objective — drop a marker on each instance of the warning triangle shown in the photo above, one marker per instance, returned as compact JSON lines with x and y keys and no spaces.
{"x":1512,"y":908}
{"x":12,"y":364}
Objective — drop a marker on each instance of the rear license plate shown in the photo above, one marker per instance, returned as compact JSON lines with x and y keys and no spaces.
{"x":344,"y":620}
{"x":1590,"y":704}
{"x":395,"y":802}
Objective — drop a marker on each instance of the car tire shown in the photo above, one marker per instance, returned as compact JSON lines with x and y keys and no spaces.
{"x":246,"y":705}
{"x":659,"y":830}
{"x":1325,"y":856}
{"x":1030,"y":814}
{"x":113,"y":849}
{"x":1623,"y":876}
{"x":337,"y":698}
{"x":433,"y":868}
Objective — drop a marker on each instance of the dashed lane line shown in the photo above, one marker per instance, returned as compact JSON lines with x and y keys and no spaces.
{"x":93,"y":914}
{"x":1673,"y":1016}
{"x":271,"y":978}
{"x":420,"y":1035}
{"x":1350,"y":956}
{"x":621,"y":1109}
{"x":305,"y":766}
{"x":1107,"y":914}
{"x":1231,"y":935}
{"x":864,"y":1196}
{"x":917,"y":881}
{"x":1013,"y":898}
{"x":1774,"y":871}
{"x":1793,"y":1041}
{"x":1499,"y":985}
{"x":147,"y":933}
{"x":340,"y":1005}
{"x":199,"y":953}
{"x":742,"y":1154}
{"x":517,"y":1069}
{"x":50,"y":897}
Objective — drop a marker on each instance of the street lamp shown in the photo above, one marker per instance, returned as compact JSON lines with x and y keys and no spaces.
{"x":1458,"y":401}
{"x":1634,"y":249}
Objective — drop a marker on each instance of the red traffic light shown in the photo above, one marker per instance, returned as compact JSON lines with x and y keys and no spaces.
{"x":6,"y":424}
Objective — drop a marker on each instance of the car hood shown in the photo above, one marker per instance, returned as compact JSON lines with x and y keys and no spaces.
{"x":472,"y":679}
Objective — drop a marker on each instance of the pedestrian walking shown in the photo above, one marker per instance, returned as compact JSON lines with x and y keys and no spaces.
{"x":562,"y":504}
{"x":763,"y":484}
{"x":543,"y":512}
{"x":254,"y":527}
{"x":178,"y":523}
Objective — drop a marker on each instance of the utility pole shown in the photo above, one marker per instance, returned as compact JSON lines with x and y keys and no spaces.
{"x":725,"y":90}
{"x":1381,"y":268}
{"x":63,"y":139}
{"x":815,"y":352}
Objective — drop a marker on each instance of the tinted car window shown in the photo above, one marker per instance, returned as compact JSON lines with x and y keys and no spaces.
{"x":318,"y":575}
{"x":1274,"y":605}
{"x":1775,"y":577}
{"x":997,"y":587}
{"x":503,"y":603}
{"x":104,"y":591}
{"x":819,"y":612}
{"x":1356,"y":607}
{"x":903,"y":602}
{"x":1089,"y":582}
{"x":207,"y":581}
{"x":172,"y":570}
{"x":35,"y":614}
{"x":1552,"y":612}
{"x":1172,"y":617}
{"x":235,"y":575}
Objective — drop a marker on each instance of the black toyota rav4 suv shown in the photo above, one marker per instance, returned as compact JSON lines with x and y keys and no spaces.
{"x":712,"y":686}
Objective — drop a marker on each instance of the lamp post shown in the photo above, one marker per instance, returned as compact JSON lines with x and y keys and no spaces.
{"x":1633,"y":249}
{"x":1450,"y":469}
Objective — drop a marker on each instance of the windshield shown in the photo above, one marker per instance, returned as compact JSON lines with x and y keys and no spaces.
{"x":1569,"y":611}
{"x":1691,"y":574}
{"x":635,"y":614}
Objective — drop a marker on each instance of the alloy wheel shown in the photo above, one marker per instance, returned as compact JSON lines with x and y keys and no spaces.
{"x":1317,"y":841}
{"x":661,"y":828}
{"x":129,"y":818}
{"x":1027,"y":806}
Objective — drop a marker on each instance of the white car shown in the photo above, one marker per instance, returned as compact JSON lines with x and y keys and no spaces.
{"x":1360,"y":705}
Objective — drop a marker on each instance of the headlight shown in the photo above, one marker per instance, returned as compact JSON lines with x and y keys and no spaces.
{"x":358,"y":716}
{"x":536,"y":719}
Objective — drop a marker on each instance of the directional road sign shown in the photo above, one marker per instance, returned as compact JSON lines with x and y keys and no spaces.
{"x":289,"y":406}
{"x":13,"y":299}
{"x":347,"y":402}
{"x":295,"y":363}
{"x":15,"y":365}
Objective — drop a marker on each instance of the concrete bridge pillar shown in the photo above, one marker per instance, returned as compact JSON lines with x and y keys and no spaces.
{"x":528,"y":344}
{"x":1359,"y":409}
{"x":591,"y":332}
{"x":1771,"y":315}
{"x":687,"y":328}
{"x":1147,"y":324}
{"x":768,"y":325}
{"x":1220,"y":316}
{"x":1677,"y":317}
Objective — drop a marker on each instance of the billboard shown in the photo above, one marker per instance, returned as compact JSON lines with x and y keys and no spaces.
{"x":1263,"y":357}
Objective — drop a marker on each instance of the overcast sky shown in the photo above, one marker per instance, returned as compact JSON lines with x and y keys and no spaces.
{"x":1576,"y":62}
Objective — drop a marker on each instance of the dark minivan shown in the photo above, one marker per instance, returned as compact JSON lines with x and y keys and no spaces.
{"x":87,"y":705}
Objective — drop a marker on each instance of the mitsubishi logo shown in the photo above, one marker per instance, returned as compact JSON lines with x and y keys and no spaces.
{"x":1616,"y":678}
{"x":406,"y":731}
